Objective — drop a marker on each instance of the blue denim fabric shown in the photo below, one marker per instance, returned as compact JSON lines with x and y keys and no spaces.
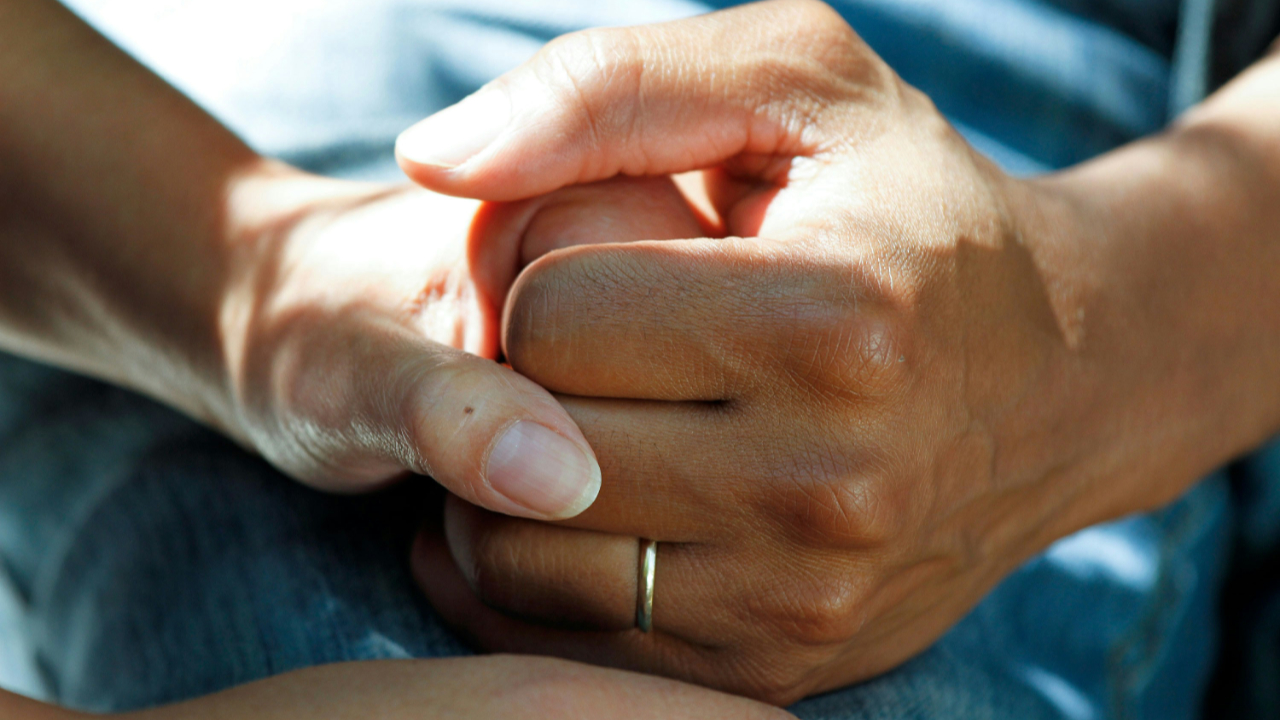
{"x":146,"y":560}
{"x":168,"y":563}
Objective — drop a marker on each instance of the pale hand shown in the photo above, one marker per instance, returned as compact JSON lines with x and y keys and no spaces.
{"x":360,"y":330}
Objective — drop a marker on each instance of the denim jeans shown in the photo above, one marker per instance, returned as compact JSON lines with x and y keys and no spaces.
{"x":144,"y":559}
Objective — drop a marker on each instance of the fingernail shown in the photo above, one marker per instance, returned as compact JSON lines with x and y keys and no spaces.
{"x":457,"y":133}
{"x":543,"y":471}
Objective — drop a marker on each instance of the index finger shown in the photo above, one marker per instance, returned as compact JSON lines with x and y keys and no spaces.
{"x":684,"y":320}
{"x":651,"y":100}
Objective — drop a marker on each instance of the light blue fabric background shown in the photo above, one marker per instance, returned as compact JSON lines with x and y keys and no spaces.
{"x":147,"y":560}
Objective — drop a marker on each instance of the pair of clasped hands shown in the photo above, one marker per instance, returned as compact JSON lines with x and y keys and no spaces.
{"x":751,"y":297}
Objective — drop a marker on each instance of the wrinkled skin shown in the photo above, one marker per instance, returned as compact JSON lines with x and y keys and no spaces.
{"x":362,"y":323}
{"x":896,"y":378}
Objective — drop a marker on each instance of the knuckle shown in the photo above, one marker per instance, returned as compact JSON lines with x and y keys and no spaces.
{"x":360,"y":428}
{"x":824,"y":27}
{"x":821,"y":611}
{"x":876,"y":361}
{"x":825,"y":613}
{"x":853,"y":512}
{"x":790,"y":16}
{"x":814,"y":38}
{"x":841,"y":334}
{"x":423,"y":396}
{"x":590,"y":72}
{"x":848,"y":353}
{"x":588,"y":49}
{"x":777,"y":688}
{"x":415,"y":398}
{"x":776,"y":676}
{"x":831,"y":491}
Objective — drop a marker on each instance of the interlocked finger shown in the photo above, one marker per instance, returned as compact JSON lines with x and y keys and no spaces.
{"x":586,"y":580}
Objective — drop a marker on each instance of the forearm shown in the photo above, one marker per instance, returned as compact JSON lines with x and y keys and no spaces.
{"x":16,"y":707}
{"x":1172,"y":261}
{"x":114,"y":222}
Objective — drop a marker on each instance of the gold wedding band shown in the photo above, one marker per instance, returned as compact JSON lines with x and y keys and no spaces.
{"x":644,"y":584}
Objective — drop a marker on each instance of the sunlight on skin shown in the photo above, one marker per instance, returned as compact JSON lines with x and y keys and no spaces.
{"x":913,"y":373}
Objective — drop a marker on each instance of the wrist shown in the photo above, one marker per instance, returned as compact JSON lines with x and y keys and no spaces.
{"x":1161,"y":252}
{"x":268,"y":209}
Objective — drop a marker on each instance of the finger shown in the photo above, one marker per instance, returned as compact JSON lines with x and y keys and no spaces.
{"x":374,"y":398}
{"x":497,"y":439}
{"x":505,"y":237}
{"x":691,"y":474}
{"x":594,"y":591}
{"x":610,"y":211}
{"x":675,"y":472}
{"x":579,"y":579}
{"x":447,"y":590}
{"x":737,"y":669}
{"x":679,"y":320}
{"x":652,"y":100}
